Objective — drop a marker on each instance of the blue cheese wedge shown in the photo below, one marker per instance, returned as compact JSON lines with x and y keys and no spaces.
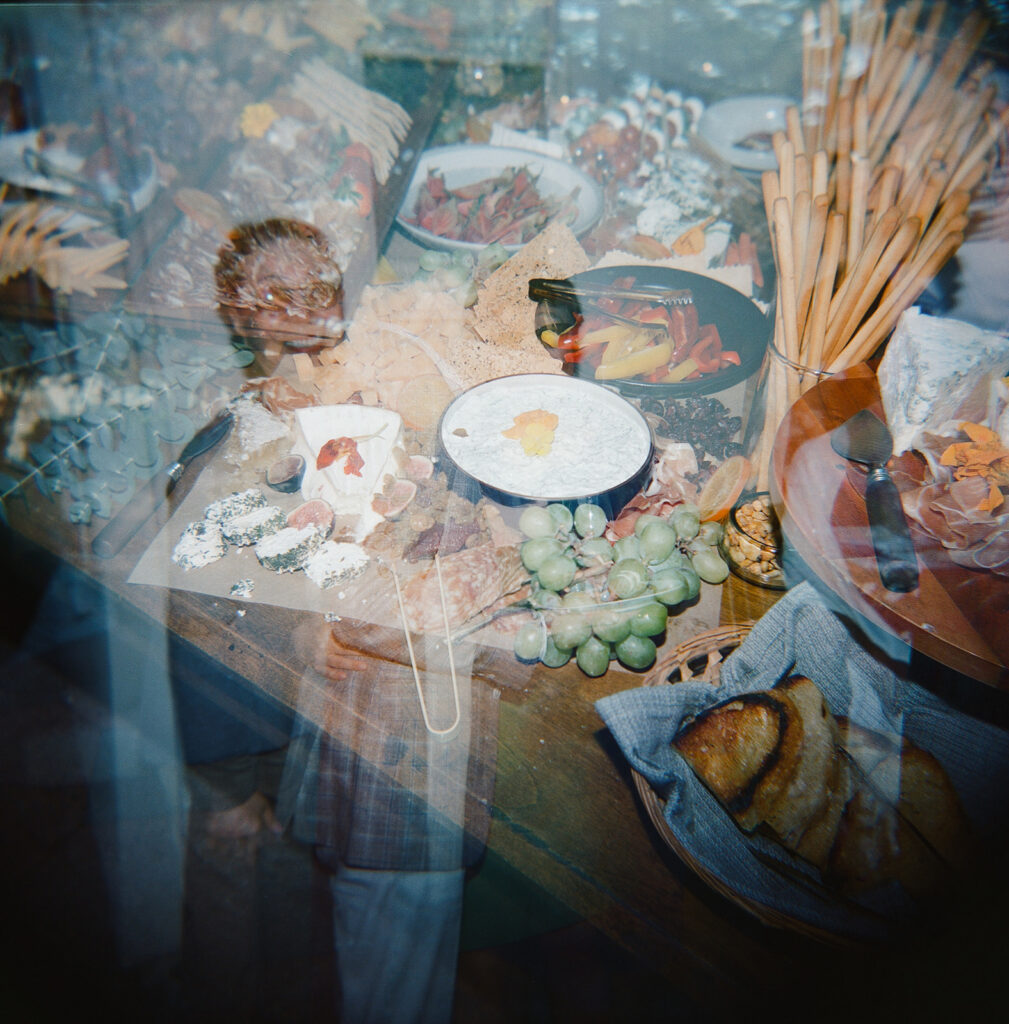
{"x":235,"y":504}
{"x":931,"y":366}
{"x":288,"y":549}
{"x":334,"y":562}
{"x":252,"y":527}
{"x":200,"y":544}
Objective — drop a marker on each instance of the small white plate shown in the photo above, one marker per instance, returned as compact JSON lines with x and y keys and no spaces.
{"x":727,"y":125}
{"x":468,"y":164}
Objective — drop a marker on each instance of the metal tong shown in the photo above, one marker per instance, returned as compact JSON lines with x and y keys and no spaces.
{"x":543,"y":289}
{"x":585,"y":297}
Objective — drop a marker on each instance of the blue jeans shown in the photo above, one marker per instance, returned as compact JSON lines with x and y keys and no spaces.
{"x":397,"y":944}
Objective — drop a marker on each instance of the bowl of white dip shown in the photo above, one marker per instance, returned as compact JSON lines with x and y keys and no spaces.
{"x":600,"y":449}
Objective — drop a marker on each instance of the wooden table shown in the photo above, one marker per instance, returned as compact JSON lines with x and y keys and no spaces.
{"x":565,"y":812}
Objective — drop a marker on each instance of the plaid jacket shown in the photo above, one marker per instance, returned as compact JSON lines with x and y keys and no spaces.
{"x":376,"y":788}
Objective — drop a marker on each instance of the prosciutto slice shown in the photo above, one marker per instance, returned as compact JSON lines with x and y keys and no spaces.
{"x":949,"y":512}
{"x":473,"y":579}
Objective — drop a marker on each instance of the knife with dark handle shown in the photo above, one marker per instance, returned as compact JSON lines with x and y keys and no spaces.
{"x":866,"y":438}
{"x":118,"y":532}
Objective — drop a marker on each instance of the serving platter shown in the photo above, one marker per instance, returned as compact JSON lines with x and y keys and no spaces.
{"x":601,"y":446}
{"x":468,"y":164}
{"x":741,"y":325}
{"x":739,"y":130}
{"x":955,"y":617}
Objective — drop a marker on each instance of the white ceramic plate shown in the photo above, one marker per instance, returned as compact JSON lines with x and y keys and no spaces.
{"x":467,"y":164}
{"x":601,"y":441}
{"x":727,"y":125}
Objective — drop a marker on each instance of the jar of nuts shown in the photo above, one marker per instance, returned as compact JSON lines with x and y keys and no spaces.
{"x":752,"y":541}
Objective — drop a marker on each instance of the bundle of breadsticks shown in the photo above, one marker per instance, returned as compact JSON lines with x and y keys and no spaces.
{"x":876,"y":171}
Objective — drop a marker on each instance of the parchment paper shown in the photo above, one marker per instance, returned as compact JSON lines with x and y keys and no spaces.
{"x":370,"y":598}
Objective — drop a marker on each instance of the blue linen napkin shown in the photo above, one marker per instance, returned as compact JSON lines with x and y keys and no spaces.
{"x":801,"y":634}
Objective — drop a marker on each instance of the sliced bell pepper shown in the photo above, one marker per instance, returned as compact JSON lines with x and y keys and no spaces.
{"x":706,"y":351}
{"x":644,"y":361}
{"x":680,"y":371}
{"x":727,"y":356}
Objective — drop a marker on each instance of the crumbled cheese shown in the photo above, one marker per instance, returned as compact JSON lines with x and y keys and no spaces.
{"x":251,"y":527}
{"x":243,"y":588}
{"x":200,"y":544}
{"x":335,"y":563}
{"x":255,"y":426}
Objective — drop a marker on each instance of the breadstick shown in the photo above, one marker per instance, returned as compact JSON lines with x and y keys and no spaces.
{"x":912,"y":279}
{"x":816,"y":323}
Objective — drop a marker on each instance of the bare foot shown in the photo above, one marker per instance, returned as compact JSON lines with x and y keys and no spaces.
{"x":244,"y":821}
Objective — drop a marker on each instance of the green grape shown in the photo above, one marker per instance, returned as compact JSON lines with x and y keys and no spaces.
{"x":589,"y":520}
{"x":536,"y":551}
{"x":686,"y":522}
{"x":627,"y":547}
{"x":636,"y":652}
{"x":693,"y":582}
{"x":561,"y":516}
{"x":569,"y":629}
{"x":579,"y":600}
{"x":611,"y":625}
{"x":712,"y":533}
{"x":548,"y":600}
{"x":657,"y":542}
{"x":645,"y":519}
{"x":595,"y":551}
{"x":627,"y":578}
{"x":649,"y":620}
{"x":553,"y":656}
{"x":710,"y":566}
{"x":593,"y":656}
{"x":671,"y":586}
{"x":676,"y":560}
{"x":530,"y":641}
{"x":556,"y":572}
{"x":697,"y":544}
{"x":537,"y":521}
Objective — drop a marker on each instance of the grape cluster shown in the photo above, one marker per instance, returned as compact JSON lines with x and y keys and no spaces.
{"x":621,"y":601}
{"x":703,"y":422}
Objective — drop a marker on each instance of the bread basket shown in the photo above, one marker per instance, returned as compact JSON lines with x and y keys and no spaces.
{"x":700,"y":660}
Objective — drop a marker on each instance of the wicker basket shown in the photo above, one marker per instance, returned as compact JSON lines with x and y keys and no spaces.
{"x":700,"y":659}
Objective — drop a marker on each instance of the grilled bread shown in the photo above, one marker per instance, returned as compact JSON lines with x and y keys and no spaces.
{"x":745,"y":750}
{"x":805,"y":795}
{"x":862,"y":806}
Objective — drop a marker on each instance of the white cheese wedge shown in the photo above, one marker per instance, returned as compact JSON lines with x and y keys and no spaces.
{"x":931,"y":366}
{"x":379,"y":434}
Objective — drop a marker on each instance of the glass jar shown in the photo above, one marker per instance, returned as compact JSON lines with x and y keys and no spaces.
{"x":752,"y":541}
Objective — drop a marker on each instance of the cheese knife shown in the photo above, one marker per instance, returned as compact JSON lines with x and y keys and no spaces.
{"x":121,"y":528}
{"x":866,"y":438}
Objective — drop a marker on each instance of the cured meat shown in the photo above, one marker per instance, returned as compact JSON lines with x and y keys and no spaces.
{"x":278,"y":396}
{"x":974,"y":539}
{"x":472,"y":579}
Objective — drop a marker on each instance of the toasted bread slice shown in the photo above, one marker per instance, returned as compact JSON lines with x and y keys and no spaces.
{"x":817,"y":841}
{"x":745,"y":750}
{"x":905,"y":822}
{"x":805,"y":796}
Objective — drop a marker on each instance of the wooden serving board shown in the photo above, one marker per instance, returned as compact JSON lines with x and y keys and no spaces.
{"x":956,"y":616}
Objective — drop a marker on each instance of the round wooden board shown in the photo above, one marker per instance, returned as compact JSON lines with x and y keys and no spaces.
{"x":956,"y":616}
